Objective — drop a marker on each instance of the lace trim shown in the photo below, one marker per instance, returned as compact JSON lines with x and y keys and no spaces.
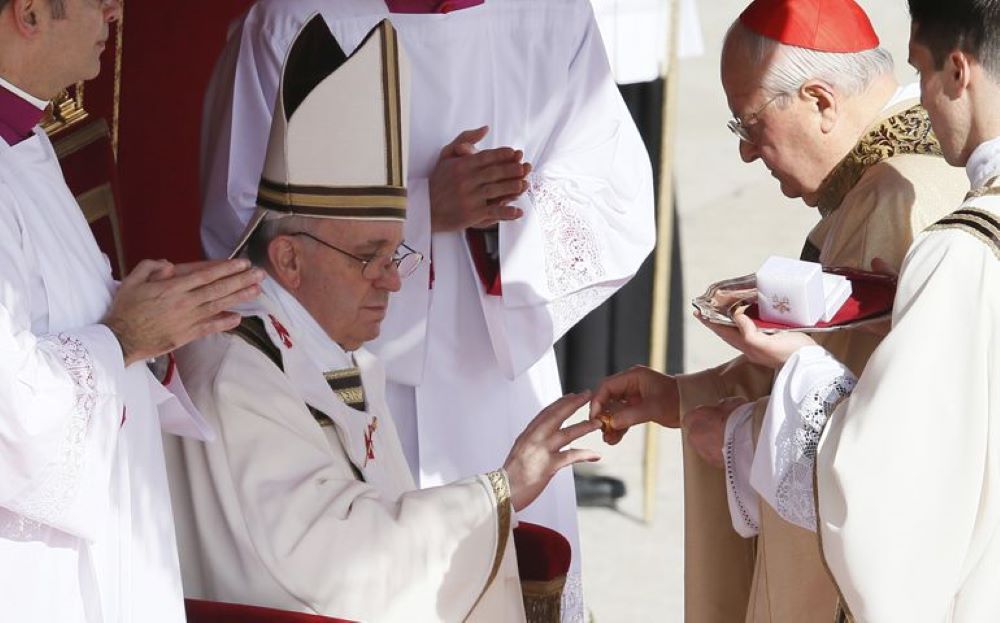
{"x":572,"y":610}
{"x":795,"y":495}
{"x":572,"y":252}
{"x":570,"y":309}
{"x":745,"y":515}
{"x":60,"y":483}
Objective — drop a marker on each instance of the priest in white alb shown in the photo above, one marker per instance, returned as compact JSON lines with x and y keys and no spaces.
{"x":86,"y":534}
{"x":904,"y":459}
{"x":517,"y":253}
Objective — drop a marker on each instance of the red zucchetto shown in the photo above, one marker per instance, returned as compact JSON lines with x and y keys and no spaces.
{"x":821,"y":25}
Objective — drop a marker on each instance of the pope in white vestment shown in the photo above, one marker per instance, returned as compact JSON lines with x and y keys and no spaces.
{"x":306,"y":502}
{"x":85,"y":523}
{"x":466,"y":369}
{"x":906,"y":459}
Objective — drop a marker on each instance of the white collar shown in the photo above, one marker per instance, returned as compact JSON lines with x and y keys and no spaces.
{"x":984,"y":163}
{"x":322,"y":351}
{"x":31,"y":99}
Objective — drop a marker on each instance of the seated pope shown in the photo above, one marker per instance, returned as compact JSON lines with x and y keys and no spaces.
{"x":305,"y":502}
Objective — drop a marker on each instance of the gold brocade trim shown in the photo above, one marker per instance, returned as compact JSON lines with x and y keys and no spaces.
{"x":543,"y":600}
{"x":908,"y":132}
{"x":501,"y":492}
{"x":392,"y":104}
{"x":986,"y":190}
{"x":979,"y":225}
{"x":351,"y":395}
{"x":342,"y":374}
{"x":332,"y":201}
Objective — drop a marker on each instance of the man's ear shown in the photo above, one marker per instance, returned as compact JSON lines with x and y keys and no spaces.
{"x":957,"y":74}
{"x":285,"y":256}
{"x":27,"y":15}
{"x":822,"y":98}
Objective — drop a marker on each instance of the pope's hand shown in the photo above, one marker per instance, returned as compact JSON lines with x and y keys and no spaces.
{"x":759,"y":347}
{"x":635,"y":396}
{"x":161,"y":306}
{"x":706,"y":428}
{"x":538,"y":452}
{"x":470,"y":188}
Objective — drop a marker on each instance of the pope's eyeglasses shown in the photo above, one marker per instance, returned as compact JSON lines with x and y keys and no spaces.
{"x":404,"y":259}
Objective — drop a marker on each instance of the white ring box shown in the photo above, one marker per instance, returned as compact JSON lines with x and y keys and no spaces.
{"x":797,"y":293}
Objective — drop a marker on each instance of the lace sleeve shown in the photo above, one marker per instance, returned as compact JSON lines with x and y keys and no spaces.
{"x":737,"y":450}
{"x":60,"y":482}
{"x":795,"y":495}
{"x":574,"y":269}
{"x":806,"y":392}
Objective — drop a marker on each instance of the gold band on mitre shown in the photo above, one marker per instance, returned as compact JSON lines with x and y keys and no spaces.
{"x":353,"y":202}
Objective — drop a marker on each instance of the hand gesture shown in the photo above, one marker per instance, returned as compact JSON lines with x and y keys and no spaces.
{"x":161,"y":306}
{"x":635,"y":396}
{"x":706,"y":428}
{"x":538,"y":451}
{"x":470,"y":188}
{"x":759,"y":347}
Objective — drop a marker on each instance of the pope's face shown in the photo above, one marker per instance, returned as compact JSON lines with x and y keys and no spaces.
{"x":784,"y":132}
{"x":949,"y":117}
{"x":333,"y":288}
{"x":76,"y":39}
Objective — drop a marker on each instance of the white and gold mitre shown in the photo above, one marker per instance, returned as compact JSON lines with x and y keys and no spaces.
{"x":338,"y":143}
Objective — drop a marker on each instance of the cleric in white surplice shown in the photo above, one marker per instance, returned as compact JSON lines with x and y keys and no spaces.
{"x":307,"y":502}
{"x":468,"y":352}
{"x":85,"y":523}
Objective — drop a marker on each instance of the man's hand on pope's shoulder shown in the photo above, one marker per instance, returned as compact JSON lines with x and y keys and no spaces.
{"x":759,"y":347}
{"x":635,"y":396}
{"x":539,"y":452}
{"x":473,"y":189}
{"x":161,"y":306}
{"x":706,"y":428}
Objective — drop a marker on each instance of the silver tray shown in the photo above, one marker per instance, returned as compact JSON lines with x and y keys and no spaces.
{"x":722,"y":299}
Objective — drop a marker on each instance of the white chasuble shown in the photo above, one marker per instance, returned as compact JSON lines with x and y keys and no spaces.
{"x":85,"y":524}
{"x":468,"y":370}
{"x":308,"y":504}
{"x":908,"y":467}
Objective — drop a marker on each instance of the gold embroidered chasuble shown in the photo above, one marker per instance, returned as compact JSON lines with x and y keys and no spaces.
{"x":888,"y":189}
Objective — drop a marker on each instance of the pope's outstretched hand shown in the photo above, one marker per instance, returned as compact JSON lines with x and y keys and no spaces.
{"x":540,"y":451}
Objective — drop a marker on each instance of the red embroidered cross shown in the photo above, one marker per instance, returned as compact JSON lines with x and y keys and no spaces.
{"x":286,"y":337}
{"x":370,"y":441}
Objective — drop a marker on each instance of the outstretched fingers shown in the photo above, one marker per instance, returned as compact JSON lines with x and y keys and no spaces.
{"x":571,"y":433}
{"x":574,"y":456}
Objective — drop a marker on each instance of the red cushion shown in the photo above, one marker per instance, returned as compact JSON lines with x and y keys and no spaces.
{"x":199,"y":611}
{"x":542,"y":553}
